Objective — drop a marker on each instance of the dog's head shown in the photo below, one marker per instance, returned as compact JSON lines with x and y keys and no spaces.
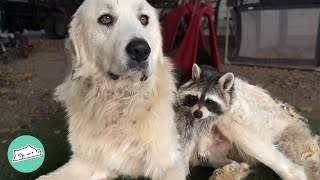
{"x":118,"y":37}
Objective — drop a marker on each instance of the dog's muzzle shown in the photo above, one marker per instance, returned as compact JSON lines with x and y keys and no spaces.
{"x":138,"y":51}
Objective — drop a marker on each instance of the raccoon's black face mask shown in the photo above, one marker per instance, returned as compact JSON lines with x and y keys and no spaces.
{"x":191,"y":100}
{"x":204,"y":94}
{"x":202,"y":107}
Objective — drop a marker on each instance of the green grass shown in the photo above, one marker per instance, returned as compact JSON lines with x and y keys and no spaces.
{"x":53,"y":134}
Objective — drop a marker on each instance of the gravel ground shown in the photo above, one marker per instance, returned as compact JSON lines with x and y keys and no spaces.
{"x":26,"y":86}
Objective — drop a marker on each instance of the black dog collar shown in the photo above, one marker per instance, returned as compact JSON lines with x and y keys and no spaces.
{"x":113,"y":76}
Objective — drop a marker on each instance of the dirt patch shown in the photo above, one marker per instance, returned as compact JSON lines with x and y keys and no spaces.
{"x":27,"y":85}
{"x":47,"y":45}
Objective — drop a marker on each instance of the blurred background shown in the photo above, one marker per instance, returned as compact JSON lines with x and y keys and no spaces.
{"x":273,"y":44}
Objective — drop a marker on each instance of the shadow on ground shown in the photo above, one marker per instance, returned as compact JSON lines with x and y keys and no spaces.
{"x":53,"y":134}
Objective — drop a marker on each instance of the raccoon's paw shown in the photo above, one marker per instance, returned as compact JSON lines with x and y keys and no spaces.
{"x":203,"y":148}
{"x":204,"y":156}
{"x":232,"y":171}
{"x":203,"y":159}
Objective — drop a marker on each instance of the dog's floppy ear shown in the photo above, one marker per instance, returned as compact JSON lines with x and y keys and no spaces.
{"x":226,"y":81}
{"x":196,"y":72}
{"x":75,"y":42}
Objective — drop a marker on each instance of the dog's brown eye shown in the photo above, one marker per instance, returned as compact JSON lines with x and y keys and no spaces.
{"x":144,"y":19}
{"x":106,"y":20}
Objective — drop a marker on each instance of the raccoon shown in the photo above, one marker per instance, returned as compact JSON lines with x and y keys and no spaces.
{"x":212,"y":105}
{"x":196,"y":110}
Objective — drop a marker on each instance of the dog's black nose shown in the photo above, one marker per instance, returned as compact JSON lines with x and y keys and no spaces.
{"x":138,"y":50}
{"x":197,"y":114}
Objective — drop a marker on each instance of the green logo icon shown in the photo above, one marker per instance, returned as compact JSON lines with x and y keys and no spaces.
{"x":26,"y":154}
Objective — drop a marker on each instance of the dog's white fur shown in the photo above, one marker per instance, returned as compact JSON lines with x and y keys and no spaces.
{"x":124,"y":126}
{"x":268,"y":132}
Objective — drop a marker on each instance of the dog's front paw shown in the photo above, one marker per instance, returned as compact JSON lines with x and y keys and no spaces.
{"x":45,"y":177}
{"x":297,"y":173}
{"x":217,"y":174}
{"x":232,"y":171}
{"x":98,"y":176}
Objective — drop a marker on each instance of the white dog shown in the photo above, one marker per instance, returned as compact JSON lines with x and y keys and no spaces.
{"x":119,"y":96}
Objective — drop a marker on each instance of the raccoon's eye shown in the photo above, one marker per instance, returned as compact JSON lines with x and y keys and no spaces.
{"x":212,"y":103}
{"x":213,"y":106}
{"x":209,"y":101}
{"x":191,"y":100}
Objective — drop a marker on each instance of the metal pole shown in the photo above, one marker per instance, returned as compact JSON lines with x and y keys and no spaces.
{"x":226,"y":60}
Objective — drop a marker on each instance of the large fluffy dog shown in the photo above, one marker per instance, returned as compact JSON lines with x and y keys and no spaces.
{"x":119,"y":95}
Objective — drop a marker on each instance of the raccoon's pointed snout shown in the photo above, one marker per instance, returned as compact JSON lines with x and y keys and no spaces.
{"x":197,"y":114}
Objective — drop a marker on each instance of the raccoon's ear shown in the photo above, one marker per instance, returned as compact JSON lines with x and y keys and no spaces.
{"x":196,"y":72}
{"x":226,"y":81}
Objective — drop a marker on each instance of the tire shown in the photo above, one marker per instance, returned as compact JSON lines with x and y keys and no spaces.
{"x":56,"y":26}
